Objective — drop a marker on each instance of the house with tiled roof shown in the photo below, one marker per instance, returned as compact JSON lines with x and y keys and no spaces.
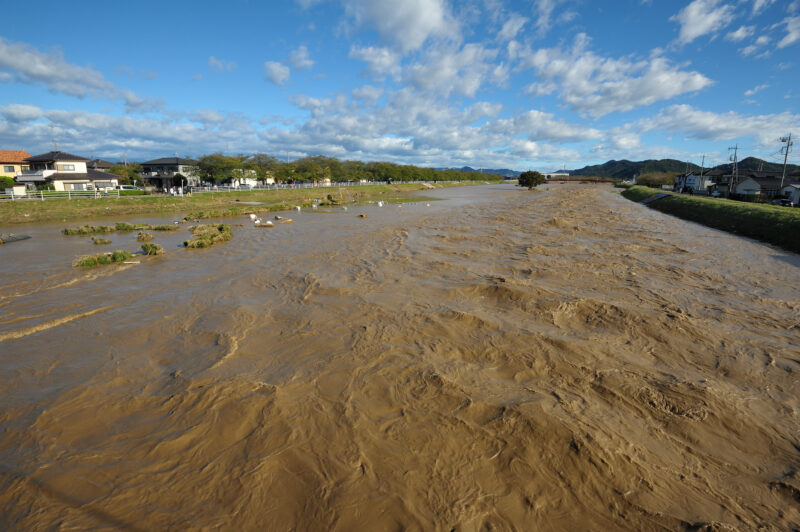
{"x":65,"y":172}
{"x":12,"y":162}
{"x":162,"y":172}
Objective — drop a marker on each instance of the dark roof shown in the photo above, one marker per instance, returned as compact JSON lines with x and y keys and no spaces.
{"x":55,"y":156}
{"x":171,"y":160}
{"x":100,"y":163}
{"x":769,"y":181}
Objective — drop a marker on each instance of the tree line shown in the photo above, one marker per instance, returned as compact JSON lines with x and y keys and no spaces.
{"x":219,"y":168}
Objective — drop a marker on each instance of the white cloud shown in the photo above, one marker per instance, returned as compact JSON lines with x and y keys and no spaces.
{"x":544,"y":11}
{"x":538,"y":125}
{"x":722,"y":126}
{"x":511,"y":27}
{"x":300,"y":60}
{"x":407,"y":24}
{"x":463,"y":71}
{"x":756,"y":89}
{"x":596,"y":85}
{"x":24,"y":64}
{"x":756,"y":46}
{"x":381,"y":62}
{"x":742,"y":33}
{"x":220,"y":65}
{"x":275,"y":72}
{"x":760,"y":5}
{"x":368,"y":92}
{"x":702,"y":17}
{"x":792,"y":31}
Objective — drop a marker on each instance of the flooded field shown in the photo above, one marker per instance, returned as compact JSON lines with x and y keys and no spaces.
{"x":562,"y":360}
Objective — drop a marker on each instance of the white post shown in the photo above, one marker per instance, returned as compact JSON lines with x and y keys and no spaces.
{"x":69,"y":193}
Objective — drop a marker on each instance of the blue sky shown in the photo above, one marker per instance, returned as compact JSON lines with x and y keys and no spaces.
{"x":536,"y":84}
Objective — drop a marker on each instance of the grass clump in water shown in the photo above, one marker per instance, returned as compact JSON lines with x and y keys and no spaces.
{"x":102,"y":259}
{"x":207,"y":235}
{"x":100,"y":241}
{"x":144,"y":237}
{"x":163,"y":227}
{"x":124,"y":226}
{"x":87,"y":230}
{"x":151,"y":248}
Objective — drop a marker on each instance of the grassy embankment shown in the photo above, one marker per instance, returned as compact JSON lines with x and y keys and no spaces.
{"x":203,"y":205}
{"x":769,"y":223}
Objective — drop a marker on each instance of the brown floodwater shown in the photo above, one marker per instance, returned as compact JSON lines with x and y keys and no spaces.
{"x":560,"y":360}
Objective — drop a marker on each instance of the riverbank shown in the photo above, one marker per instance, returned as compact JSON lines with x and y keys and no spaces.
{"x":205,"y":205}
{"x":768,"y":223}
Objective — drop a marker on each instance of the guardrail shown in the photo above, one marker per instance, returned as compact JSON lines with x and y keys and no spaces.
{"x":42,"y":195}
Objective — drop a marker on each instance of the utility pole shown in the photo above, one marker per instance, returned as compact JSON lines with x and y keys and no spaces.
{"x":787,"y":148}
{"x":703,"y":166}
{"x":735,"y":175}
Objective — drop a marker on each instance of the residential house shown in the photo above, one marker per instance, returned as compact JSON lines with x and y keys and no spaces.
{"x":100,"y":164}
{"x":65,"y":172}
{"x":692,"y":183}
{"x":12,"y":162}
{"x":161,"y":172}
{"x":792,"y":193}
{"x":762,"y":184}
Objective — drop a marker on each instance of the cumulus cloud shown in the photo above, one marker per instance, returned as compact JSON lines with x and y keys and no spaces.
{"x":406,"y":24}
{"x":300,"y":59}
{"x":760,"y":5}
{"x":275,"y":72}
{"x":461,"y":71}
{"x":756,"y":46}
{"x":792,"y":25}
{"x":20,"y":62}
{"x":756,"y":89}
{"x":511,"y":27}
{"x":220,"y":65}
{"x":538,"y":126}
{"x":702,"y":17}
{"x":596,"y":85}
{"x":381,"y":62}
{"x":701,"y":124}
{"x":543,"y":10}
{"x":742,"y":33}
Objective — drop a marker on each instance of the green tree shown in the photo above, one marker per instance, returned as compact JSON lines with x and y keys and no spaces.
{"x":6,"y":182}
{"x":218,"y":167}
{"x":530,"y":179}
{"x":127,"y":174}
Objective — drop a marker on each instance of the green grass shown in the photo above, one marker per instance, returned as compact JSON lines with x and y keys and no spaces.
{"x":100,"y":241}
{"x":87,"y":230}
{"x":151,"y":248}
{"x":102,"y":259}
{"x":205,"y":205}
{"x":207,"y":235}
{"x":769,"y":223}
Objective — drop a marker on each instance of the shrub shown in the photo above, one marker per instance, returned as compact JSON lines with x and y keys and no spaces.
{"x":90,"y":261}
{"x":208,"y":235}
{"x":151,"y":248}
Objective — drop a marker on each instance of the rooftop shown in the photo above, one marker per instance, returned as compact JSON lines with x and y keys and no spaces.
{"x":55,"y":156}
{"x":13,"y":156}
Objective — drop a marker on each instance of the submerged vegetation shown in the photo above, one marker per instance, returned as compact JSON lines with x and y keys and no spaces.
{"x":87,"y":230}
{"x":208,"y":235}
{"x":769,"y":223}
{"x":102,"y":259}
{"x":151,"y":248}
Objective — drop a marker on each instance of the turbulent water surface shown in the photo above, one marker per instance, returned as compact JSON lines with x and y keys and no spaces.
{"x":563,"y":360}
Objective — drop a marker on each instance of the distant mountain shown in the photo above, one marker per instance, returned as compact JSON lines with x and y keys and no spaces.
{"x":505,"y":172}
{"x":626,"y":169}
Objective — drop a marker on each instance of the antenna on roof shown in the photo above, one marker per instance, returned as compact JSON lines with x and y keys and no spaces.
{"x":53,"y":137}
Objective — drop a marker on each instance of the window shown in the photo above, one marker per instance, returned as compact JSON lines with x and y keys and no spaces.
{"x":66,"y":167}
{"x":8,"y":169}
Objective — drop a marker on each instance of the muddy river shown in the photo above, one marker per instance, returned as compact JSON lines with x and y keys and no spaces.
{"x":560,"y":360}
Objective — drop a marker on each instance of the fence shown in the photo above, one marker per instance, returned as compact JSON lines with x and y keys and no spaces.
{"x":42,"y":195}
